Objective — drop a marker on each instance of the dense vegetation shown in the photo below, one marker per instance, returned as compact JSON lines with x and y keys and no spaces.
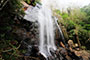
{"x":76,"y":22}
{"x":11,"y":13}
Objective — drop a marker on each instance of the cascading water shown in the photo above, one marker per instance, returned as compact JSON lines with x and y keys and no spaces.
{"x":59,"y":28}
{"x":46,"y":30}
{"x":46,"y":27}
{"x":43,"y":14}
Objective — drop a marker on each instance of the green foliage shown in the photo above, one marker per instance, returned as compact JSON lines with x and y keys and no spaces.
{"x":34,"y":3}
{"x":71,"y":34}
{"x":77,"y":21}
{"x":84,"y":36}
{"x":87,"y":20}
{"x":28,"y":1}
{"x":87,"y":27}
{"x":86,"y":9}
{"x":58,"y":12}
{"x":10,"y":14}
{"x":70,"y":25}
{"x":83,"y":47}
{"x":64,"y":15}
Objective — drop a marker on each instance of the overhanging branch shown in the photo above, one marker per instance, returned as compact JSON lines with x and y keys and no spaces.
{"x":3,"y":5}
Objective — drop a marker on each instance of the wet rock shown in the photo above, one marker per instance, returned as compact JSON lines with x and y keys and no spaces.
{"x":84,"y":54}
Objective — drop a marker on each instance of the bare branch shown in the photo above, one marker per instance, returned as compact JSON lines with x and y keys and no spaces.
{"x":4,"y":5}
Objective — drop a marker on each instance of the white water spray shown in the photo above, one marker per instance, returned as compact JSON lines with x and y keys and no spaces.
{"x":46,"y":27}
{"x":46,"y":30}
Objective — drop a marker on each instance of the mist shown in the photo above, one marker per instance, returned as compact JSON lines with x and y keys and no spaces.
{"x":63,"y":4}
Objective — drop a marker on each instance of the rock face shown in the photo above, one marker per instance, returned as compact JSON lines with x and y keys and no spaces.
{"x":27,"y":33}
{"x":84,"y":54}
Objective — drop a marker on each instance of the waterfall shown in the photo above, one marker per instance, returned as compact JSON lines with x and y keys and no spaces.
{"x":60,"y":31}
{"x":46,"y":28}
{"x":43,"y":14}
